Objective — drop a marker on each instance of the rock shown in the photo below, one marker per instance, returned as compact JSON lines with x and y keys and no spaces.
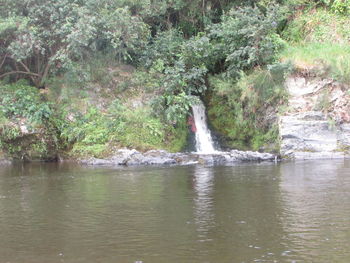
{"x":5,"y":162}
{"x":319,"y":155}
{"x":344,"y":136}
{"x":160,"y":157}
{"x":30,"y":144}
{"x":186,"y":158}
{"x":306,"y":132}
{"x":96,"y":161}
{"x":300,"y":86}
{"x":151,"y":158}
{"x":122,"y":156}
{"x":212,"y":159}
{"x":251,"y":156}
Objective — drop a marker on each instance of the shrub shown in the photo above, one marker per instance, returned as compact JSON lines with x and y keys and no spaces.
{"x":341,"y":7}
{"x":247,"y":38}
{"x":22,"y":101}
{"x":243,"y":112}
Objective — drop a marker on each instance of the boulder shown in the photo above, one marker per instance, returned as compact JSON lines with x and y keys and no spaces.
{"x":316,"y":126}
{"x":307,"y":132}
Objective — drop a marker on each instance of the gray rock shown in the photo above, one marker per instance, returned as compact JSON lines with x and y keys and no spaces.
{"x":318,"y":155}
{"x":160,"y":157}
{"x":151,"y":158}
{"x":251,"y":156}
{"x":212,"y":159}
{"x":307,"y":132}
{"x":344,"y":136}
{"x":5,"y":162}
{"x":123,"y":156}
{"x":96,"y":162}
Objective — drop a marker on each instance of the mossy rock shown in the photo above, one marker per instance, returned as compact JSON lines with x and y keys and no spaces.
{"x":39,"y":146}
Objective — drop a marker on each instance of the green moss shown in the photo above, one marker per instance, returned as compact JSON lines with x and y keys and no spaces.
{"x":33,"y":147}
{"x":238,"y":111}
{"x":176,"y":138}
{"x":23,"y":105}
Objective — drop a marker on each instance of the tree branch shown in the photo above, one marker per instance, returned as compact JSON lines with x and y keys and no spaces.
{"x":46,"y":72}
{"x":19,"y":72}
{"x":3,"y":61}
{"x":30,"y":73}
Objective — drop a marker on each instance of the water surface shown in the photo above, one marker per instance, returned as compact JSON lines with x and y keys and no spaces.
{"x":290,"y":212}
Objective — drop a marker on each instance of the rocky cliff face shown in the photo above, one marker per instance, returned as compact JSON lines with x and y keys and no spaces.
{"x":316,"y":123}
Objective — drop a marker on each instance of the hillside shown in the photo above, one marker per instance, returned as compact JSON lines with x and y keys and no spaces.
{"x":86,"y":79}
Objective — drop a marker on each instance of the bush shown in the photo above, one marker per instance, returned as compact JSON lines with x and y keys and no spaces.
{"x":22,"y":101}
{"x":97,"y":133}
{"x":244,"y":112}
{"x":341,"y":7}
{"x":247,"y":38}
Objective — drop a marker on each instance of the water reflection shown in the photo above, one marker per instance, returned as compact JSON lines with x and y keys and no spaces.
{"x":316,"y":212}
{"x":203,"y":180}
{"x":246,"y":213}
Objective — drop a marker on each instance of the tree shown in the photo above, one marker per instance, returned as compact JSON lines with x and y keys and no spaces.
{"x":43,"y":36}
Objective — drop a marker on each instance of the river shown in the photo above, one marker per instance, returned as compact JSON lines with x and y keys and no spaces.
{"x":287,"y":212}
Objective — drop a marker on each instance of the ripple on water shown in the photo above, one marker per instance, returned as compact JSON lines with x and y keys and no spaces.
{"x":290,"y":212}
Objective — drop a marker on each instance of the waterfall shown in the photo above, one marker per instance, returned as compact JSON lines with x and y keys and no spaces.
{"x":204,"y":141}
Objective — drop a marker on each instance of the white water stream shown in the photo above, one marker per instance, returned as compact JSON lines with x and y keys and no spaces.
{"x":204,"y":141}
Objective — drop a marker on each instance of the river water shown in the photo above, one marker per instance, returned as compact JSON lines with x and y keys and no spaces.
{"x":288,"y":212}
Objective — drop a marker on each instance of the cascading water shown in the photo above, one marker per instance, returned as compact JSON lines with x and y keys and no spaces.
{"x":204,"y":141}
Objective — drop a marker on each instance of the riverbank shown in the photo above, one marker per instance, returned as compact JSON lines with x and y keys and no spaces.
{"x":133,"y":157}
{"x":291,"y":98}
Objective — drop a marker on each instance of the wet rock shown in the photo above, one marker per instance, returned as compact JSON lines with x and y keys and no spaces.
{"x":151,"y":158}
{"x":251,"y":156}
{"x":96,"y":162}
{"x":160,"y":157}
{"x":212,"y":159}
{"x":186,"y":158}
{"x":29,"y":143}
{"x":122,"y":156}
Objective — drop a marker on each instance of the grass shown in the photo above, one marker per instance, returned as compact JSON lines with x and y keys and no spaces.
{"x":326,"y":59}
{"x":318,"y":25}
{"x":319,"y":43}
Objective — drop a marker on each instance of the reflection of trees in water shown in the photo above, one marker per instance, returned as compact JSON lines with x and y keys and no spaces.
{"x":237,"y":211}
{"x":315,"y":198}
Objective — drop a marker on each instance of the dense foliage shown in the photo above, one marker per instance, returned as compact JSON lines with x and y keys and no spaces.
{"x":227,"y":52}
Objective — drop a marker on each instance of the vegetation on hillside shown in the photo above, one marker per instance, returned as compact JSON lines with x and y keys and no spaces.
{"x":124,"y":73}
